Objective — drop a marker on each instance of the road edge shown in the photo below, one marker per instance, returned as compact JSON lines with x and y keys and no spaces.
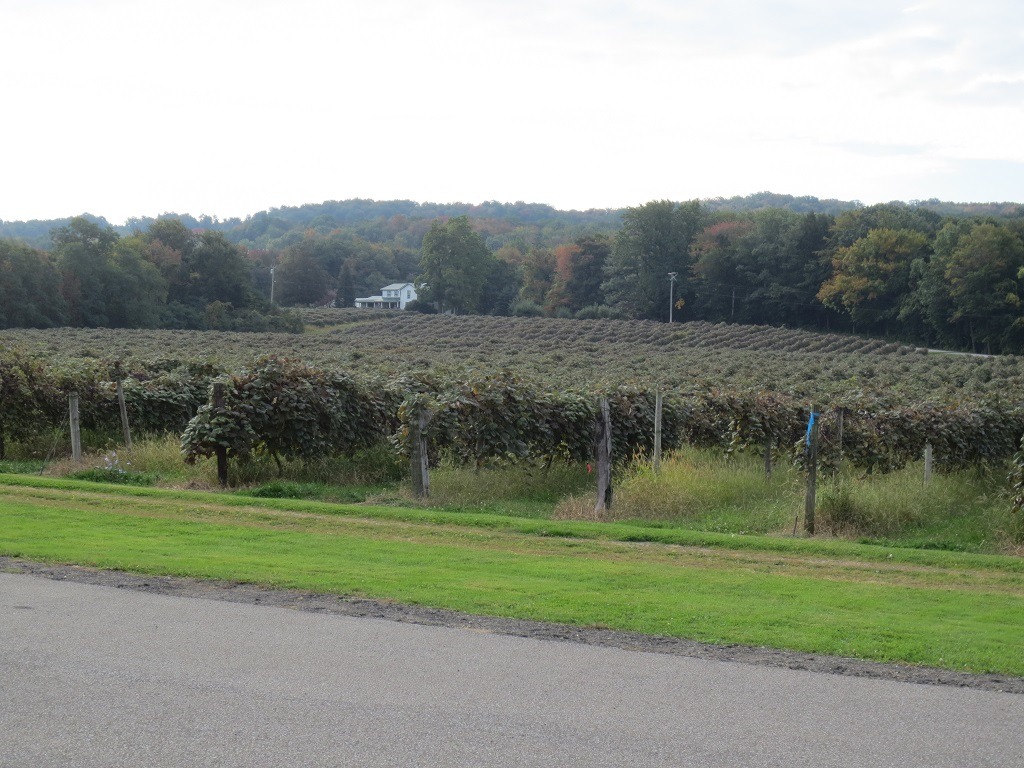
{"x":315,"y":602}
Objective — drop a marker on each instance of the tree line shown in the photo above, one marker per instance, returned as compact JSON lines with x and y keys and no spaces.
{"x":895,"y":270}
{"x":165,"y":277}
{"x":889,"y":270}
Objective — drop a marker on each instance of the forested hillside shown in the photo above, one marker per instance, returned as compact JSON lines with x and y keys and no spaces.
{"x":927,"y":273}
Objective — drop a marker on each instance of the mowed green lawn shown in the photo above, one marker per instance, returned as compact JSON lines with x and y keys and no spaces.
{"x":933,"y":608}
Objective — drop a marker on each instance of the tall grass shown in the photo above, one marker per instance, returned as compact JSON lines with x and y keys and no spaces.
{"x":371,"y":466}
{"x":159,"y":458}
{"x":522,"y":491}
{"x":701,"y":490}
{"x":964,"y":511}
{"x":152,"y":460}
{"x":704,"y":490}
{"x":695,"y":489}
{"x":159,"y":454}
{"x":56,"y":442}
{"x":21,"y":467}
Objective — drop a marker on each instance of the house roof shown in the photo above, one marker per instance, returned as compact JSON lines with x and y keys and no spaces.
{"x":395,"y":286}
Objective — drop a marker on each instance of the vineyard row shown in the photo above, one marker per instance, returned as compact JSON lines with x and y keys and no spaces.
{"x":290,"y":410}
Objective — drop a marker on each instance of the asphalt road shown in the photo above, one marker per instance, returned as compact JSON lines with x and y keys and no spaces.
{"x":97,"y":676}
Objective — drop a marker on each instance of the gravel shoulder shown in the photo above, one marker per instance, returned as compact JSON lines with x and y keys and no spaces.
{"x":415,"y":614}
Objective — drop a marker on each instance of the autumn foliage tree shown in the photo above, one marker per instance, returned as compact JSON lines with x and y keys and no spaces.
{"x":538,"y":274}
{"x":720,"y":267}
{"x":871,"y":277}
{"x":579,"y":271}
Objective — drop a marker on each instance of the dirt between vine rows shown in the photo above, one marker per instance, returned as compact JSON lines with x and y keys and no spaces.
{"x":414,"y":614}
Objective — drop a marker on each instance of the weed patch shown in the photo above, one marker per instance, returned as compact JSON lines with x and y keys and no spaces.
{"x":284,"y":489}
{"x":521,"y":491}
{"x":701,"y":490}
{"x":957,"y":512}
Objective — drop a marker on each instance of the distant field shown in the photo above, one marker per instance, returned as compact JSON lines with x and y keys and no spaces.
{"x":687,"y":356}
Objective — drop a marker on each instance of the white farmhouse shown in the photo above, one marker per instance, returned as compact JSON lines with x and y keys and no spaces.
{"x":394,"y":296}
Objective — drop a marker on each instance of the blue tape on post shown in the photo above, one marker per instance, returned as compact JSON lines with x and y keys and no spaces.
{"x":810,"y":425}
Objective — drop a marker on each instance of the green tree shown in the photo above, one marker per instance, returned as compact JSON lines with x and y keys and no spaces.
{"x":371,"y":265}
{"x":584,"y":272}
{"x":136,"y":292}
{"x":346,"y":287}
{"x":30,"y":295}
{"x":851,"y":226}
{"x":170,"y":246}
{"x":722,"y":267}
{"x":108,"y":281}
{"x":925,"y":311}
{"x":301,"y":279}
{"x":579,"y":270}
{"x":503,"y":285}
{"x":329,"y":252}
{"x":538,"y":273}
{"x":983,"y":273}
{"x":83,"y":250}
{"x":655,"y":239}
{"x":782,"y":269}
{"x":217,"y":271}
{"x":173,"y":234}
{"x":454,"y":266}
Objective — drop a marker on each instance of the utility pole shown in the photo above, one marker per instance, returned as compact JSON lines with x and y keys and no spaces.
{"x":671,"y":293}
{"x":271,"y":285}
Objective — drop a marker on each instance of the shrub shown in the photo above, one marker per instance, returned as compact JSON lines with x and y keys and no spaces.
{"x":600,"y":312}
{"x":526,"y":308}
{"x":288,"y":410}
{"x":423,"y":307}
{"x":114,"y":469}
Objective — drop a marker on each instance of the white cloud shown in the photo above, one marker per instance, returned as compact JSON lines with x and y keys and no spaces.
{"x":224,"y":107}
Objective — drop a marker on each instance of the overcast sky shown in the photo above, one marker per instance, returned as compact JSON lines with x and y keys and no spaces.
{"x":127,"y":108}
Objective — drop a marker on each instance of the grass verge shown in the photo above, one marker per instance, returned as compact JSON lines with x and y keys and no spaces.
{"x":696,"y":489}
{"x":946,"y":609}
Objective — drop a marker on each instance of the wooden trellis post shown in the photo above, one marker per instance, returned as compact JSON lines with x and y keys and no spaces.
{"x":124,"y":416}
{"x":812,"y":472}
{"x":657,"y":431}
{"x":76,"y":432}
{"x":604,"y":458}
{"x":418,"y":459}
{"x":840,"y":425}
